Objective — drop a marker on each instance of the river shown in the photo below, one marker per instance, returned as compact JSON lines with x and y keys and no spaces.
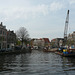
{"x":36,"y":63}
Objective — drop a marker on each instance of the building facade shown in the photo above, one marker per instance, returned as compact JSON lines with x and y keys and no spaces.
{"x":7,"y":38}
{"x":3,"y":36}
{"x":57,"y":42}
{"x":46,"y":42}
{"x":11,"y":39}
{"x":71,"y":36}
{"x":71,"y":39}
{"x":42,"y":42}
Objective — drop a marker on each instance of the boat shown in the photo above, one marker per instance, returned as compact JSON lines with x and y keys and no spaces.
{"x":50,"y":50}
{"x":67,"y":52}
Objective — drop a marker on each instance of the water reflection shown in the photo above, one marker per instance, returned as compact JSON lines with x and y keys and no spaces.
{"x":1,"y":63}
{"x":69,"y":63}
{"x":36,"y":63}
{"x":5,"y":60}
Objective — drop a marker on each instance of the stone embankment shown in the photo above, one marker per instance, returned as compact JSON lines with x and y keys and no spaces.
{"x":15,"y":52}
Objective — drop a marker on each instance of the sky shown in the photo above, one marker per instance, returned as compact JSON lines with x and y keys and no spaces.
{"x":41,"y":18}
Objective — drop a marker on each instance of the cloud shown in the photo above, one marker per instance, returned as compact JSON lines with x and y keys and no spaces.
{"x":40,"y":9}
{"x":46,"y":33}
{"x":26,"y":12}
{"x":72,"y":2}
{"x":56,"y":6}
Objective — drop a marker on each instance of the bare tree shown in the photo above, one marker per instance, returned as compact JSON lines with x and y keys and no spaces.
{"x":22,"y":34}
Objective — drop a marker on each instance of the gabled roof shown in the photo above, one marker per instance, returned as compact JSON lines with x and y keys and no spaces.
{"x":46,"y":40}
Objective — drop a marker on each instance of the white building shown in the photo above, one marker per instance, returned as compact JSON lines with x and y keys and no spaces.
{"x":42,"y":42}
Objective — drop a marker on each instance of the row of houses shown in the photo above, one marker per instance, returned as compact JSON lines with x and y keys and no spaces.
{"x":57,"y":42}
{"x":42,"y":42}
{"x":7,"y":38}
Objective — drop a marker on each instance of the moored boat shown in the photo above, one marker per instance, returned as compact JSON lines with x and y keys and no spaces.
{"x":67,"y":52}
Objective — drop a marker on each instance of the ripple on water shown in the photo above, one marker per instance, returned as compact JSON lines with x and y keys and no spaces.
{"x":37,"y":63}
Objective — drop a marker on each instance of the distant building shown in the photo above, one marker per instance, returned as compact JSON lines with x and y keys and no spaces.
{"x":71,"y":36}
{"x":46,"y":42}
{"x":11,"y":39}
{"x":36,"y":42}
{"x":3,"y":36}
{"x":71,"y":39}
{"x":57,"y":42}
{"x":42,"y":42}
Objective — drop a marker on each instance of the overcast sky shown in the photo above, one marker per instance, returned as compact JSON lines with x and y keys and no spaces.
{"x":42,"y":18}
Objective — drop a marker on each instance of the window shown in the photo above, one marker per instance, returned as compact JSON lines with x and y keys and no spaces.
{"x":0,"y":31}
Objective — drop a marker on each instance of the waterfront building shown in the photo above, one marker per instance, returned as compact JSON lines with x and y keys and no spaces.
{"x":3,"y":36}
{"x":46,"y":42}
{"x":36,"y":42}
{"x":71,"y":39}
{"x":71,"y":36}
{"x":7,"y":38}
{"x":11,"y":39}
{"x":42,"y":42}
{"x":57,"y":42}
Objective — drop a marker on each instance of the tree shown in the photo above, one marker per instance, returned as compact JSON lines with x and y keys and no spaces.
{"x":22,"y":34}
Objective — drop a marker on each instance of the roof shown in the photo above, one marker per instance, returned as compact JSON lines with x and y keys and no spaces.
{"x":46,"y":40}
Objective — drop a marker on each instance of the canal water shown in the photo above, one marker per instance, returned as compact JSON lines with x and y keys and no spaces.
{"x":36,"y":63}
